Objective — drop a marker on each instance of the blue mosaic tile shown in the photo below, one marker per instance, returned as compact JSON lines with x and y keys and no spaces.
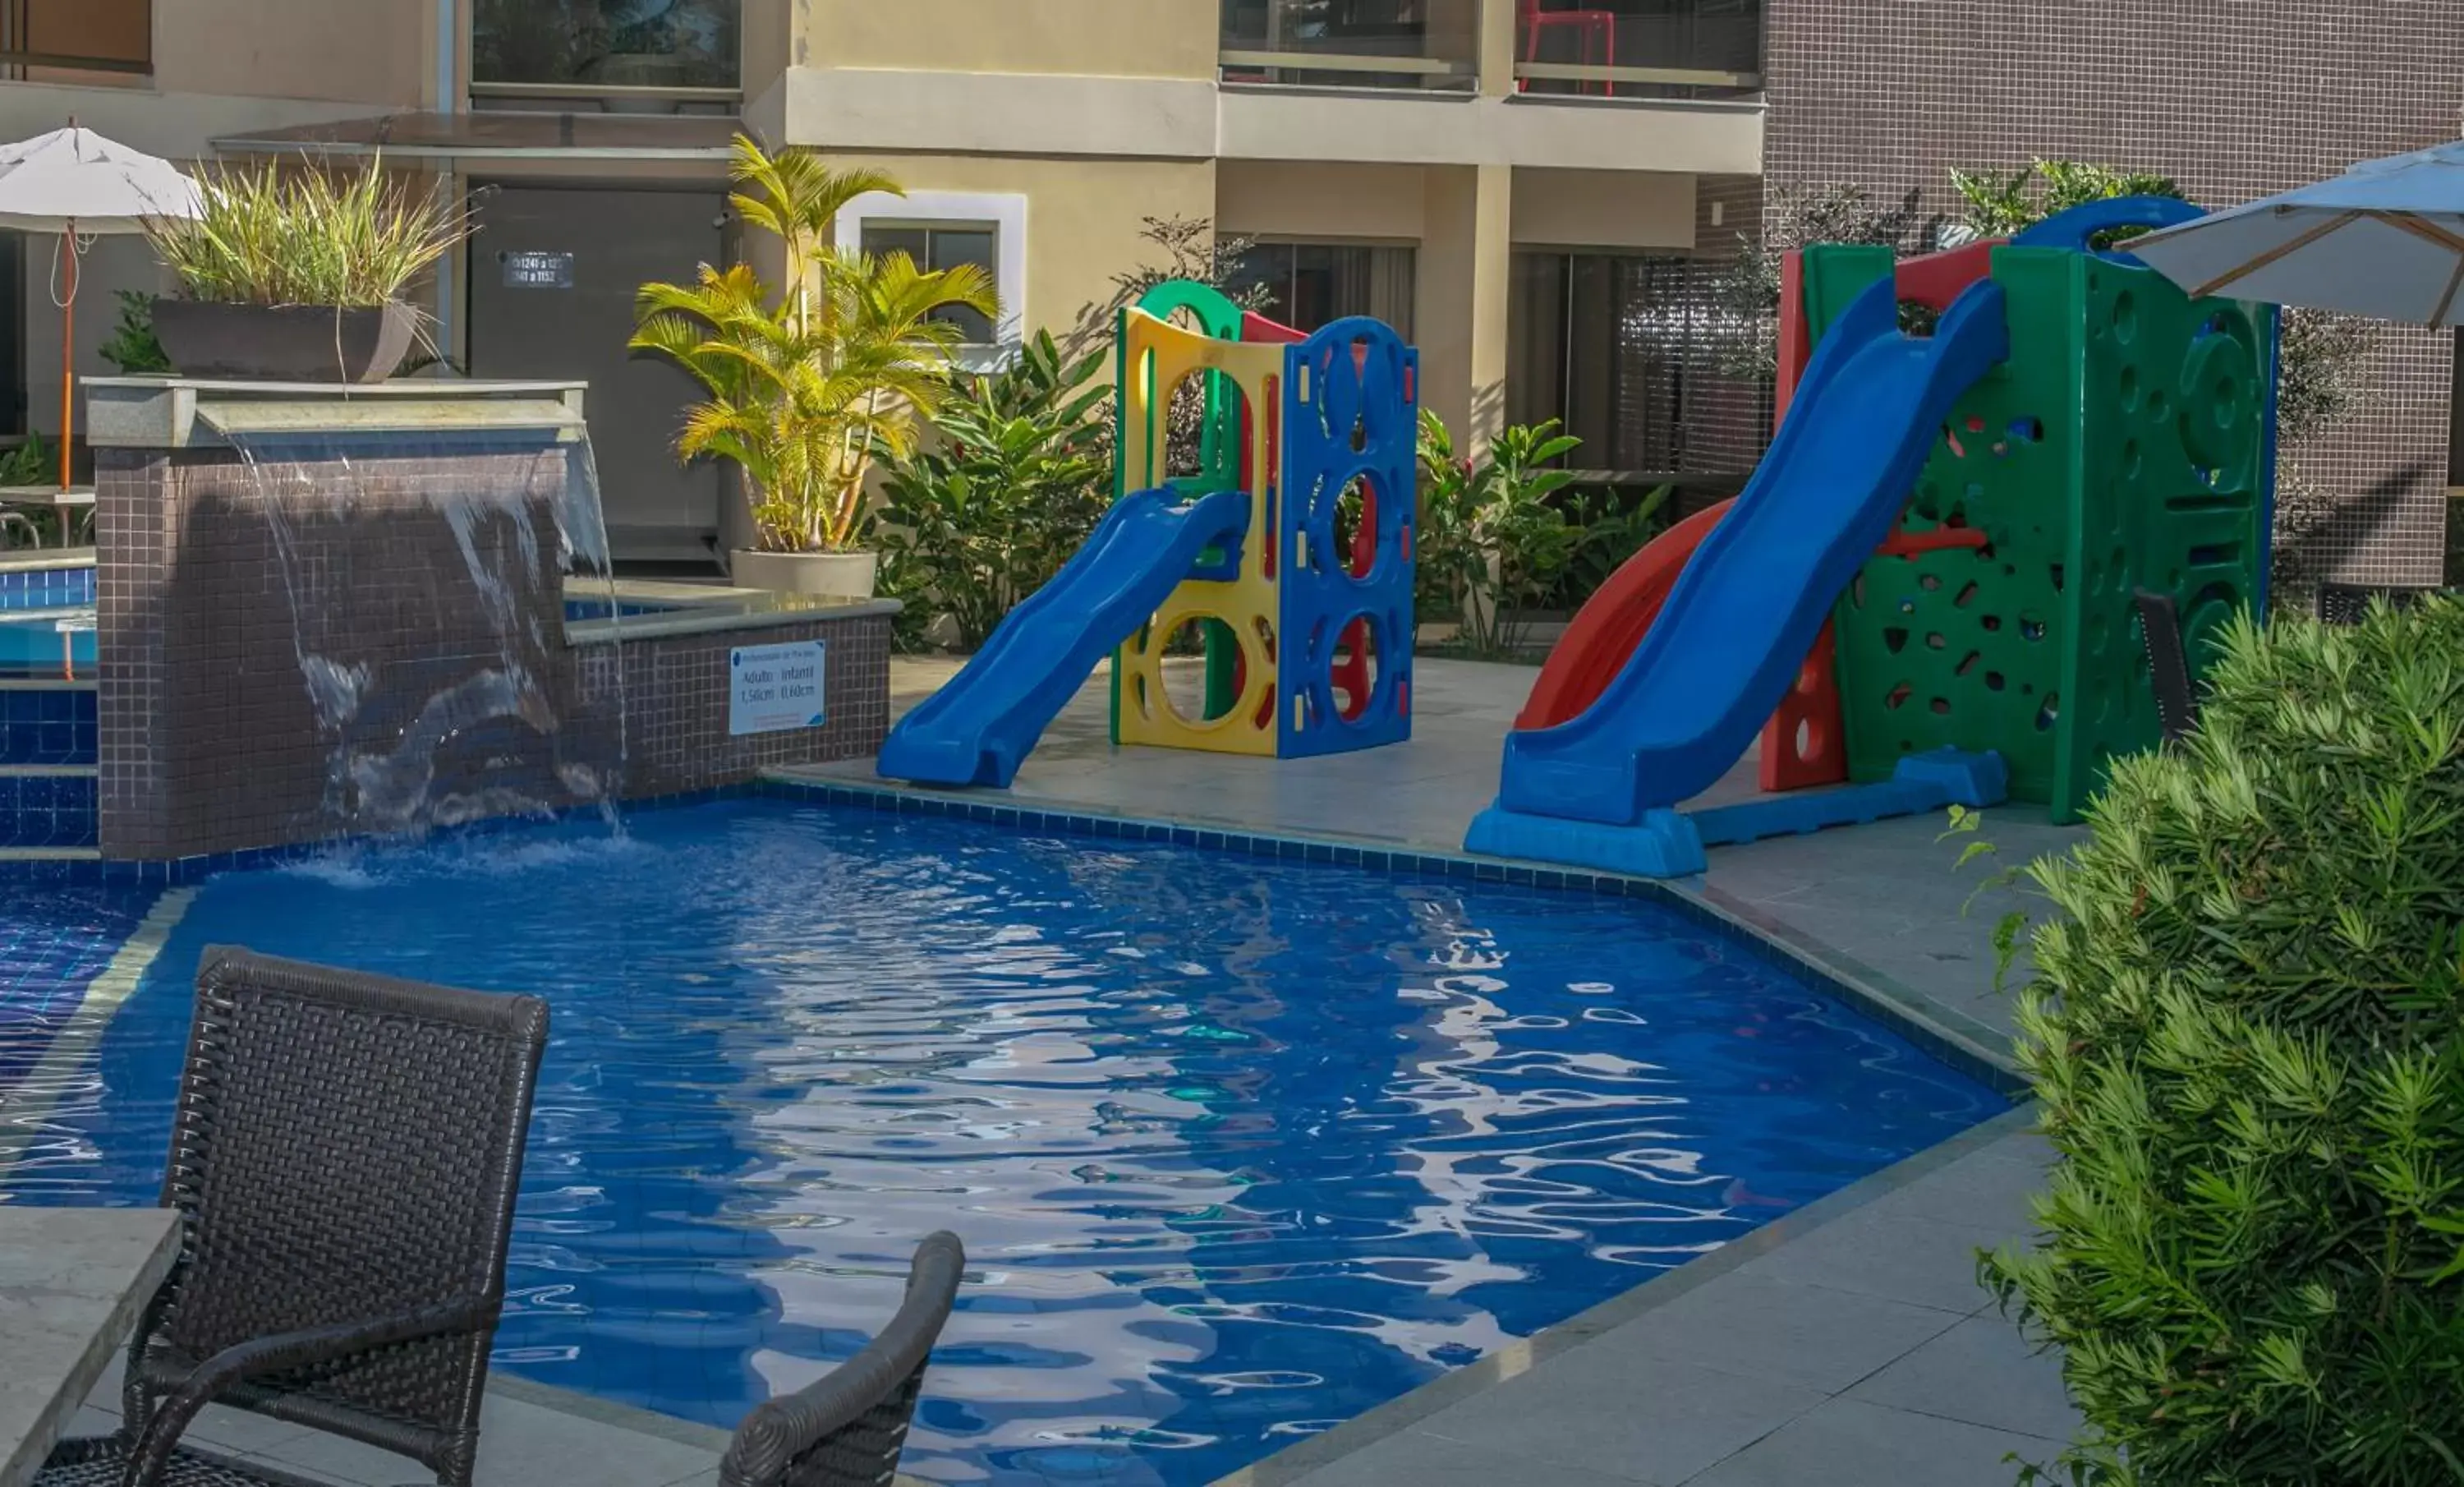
{"x":48,"y":726}
{"x":46,"y":588}
{"x":47,"y":810}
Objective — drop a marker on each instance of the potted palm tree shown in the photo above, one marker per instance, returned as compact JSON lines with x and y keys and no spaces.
{"x":807,"y":386}
{"x":299,"y":275}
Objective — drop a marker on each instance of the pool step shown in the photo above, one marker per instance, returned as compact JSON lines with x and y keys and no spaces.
{"x":48,"y":805}
{"x":10,"y":854}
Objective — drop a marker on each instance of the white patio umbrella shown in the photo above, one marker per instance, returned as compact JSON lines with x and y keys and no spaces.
{"x":2383,"y":239}
{"x":77,"y":183}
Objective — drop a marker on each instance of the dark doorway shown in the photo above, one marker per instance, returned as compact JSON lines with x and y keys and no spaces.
{"x":553,"y":274}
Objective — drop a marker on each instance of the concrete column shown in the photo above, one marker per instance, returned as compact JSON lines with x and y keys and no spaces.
{"x":1459,"y":319}
{"x":1496,"y":48}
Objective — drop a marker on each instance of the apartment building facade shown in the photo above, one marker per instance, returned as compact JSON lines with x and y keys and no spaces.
{"x":1524,"y":187}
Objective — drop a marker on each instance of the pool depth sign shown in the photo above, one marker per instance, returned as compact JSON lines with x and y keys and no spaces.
{"x":772,"y":688}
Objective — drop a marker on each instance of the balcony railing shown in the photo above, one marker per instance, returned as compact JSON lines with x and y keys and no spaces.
{"x":644,"y":53}
{"x":1639,"y":48}
{"x":71,"y":40}
{"x":1352,"y":43}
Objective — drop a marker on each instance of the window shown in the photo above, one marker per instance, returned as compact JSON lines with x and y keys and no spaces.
{"x":1618,"y":348}
{"x":579,"y":45}
{"x":943,"y":229}
{"x":76,"y":41}
{"x":1311,"y":285}
{"x":944,"y":247}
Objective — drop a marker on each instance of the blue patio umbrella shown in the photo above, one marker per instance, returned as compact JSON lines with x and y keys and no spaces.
{"x":2384,"y":240}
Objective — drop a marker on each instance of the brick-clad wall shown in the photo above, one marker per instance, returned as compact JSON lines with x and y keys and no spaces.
{"x":2233,"y":100}
{"x":300,"y":650}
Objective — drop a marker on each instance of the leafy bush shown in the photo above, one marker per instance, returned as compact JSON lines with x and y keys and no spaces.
{"x":132,"y":347}
{"x":305,"y":237}
{"x":1492,"y":545}
{"x":1018,"y":475}
{"x":2247,"y":1031}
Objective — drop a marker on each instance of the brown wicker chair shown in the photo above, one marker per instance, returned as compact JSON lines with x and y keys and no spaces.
{"x":847,"y":1428}
{"x":343,"y":1159}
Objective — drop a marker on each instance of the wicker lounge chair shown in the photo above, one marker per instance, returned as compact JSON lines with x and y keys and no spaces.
{"x":344,"y":1160}
{"x":846,"y":1431}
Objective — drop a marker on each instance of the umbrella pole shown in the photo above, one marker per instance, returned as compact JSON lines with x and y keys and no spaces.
{"x":68,"y":354}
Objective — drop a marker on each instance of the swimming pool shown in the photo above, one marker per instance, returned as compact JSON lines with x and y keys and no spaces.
{"x":1239,"y":1149}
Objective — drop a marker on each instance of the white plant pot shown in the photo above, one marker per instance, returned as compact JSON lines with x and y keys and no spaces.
{"x":841,"y":575}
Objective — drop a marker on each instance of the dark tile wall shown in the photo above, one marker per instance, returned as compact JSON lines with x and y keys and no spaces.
{"x":363,"y":639}
{"x":2231,"y":99}
{"x":675,"y":691}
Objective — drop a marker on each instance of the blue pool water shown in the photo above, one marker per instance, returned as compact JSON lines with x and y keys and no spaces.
{"x":1238,"y":1148}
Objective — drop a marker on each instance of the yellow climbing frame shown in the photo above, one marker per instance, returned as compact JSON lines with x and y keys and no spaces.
{"x":1157,"y":358}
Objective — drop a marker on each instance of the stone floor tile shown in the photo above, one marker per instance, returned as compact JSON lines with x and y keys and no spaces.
{"x":1923,"y":1261}
{"x":1984,"y":1372}
{"x":1410,"y":1458}
{"x":1855,"y":1444}
{"x":1810,"y":1336}
{"x":1644,"y":1419}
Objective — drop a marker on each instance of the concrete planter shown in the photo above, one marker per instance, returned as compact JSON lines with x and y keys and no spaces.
{"x":284,"y":342}
{"x":843,"y":575}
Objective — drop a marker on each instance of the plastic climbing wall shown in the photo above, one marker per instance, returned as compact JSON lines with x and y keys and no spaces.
{"x":2126,"y":443}
{"x":1307,"y":628}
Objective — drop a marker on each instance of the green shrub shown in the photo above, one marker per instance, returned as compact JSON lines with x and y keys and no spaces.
{"x":132,"y":347}
{"x":1018,"y":475}
{"x":2247,"y":1031}
{"x":1497,"y":541}
{"x":273,"y":235}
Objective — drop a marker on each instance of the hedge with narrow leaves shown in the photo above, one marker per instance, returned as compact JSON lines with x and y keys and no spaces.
{"x":2247,"y":1031}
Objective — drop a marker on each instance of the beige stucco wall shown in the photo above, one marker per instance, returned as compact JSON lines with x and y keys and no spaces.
{"x":1084,"y":216}
{"x":1321,"y":201}
{"x":364,"y":51}
{"x":1603,"y":209}
{"x":1111,"y":38}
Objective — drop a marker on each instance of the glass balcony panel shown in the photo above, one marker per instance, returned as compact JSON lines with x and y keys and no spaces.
{"x":1639,"y":48}
{"x":586,"y":46}
{"x":1410,"y":44}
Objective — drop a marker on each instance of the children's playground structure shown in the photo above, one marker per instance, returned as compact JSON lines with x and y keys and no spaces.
{"x":1931,"y":591}
{"x":1934,"y":589}
{"x":1287,"y":554}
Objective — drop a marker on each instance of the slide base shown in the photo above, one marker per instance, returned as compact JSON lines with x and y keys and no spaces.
{"x":1670,"y":844}
{"x":1925,"y":782}
{"x":926,"y":761}
{"x":1665,"y":844}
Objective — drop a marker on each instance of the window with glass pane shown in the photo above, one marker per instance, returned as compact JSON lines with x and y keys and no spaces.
{"x":1615,"y":348}
{"x":1310,"y":285}
{"x":1718,"y":39}
{"x":606,"y":43}
{"x":935,"y":247}
{"x":1309,"y":41}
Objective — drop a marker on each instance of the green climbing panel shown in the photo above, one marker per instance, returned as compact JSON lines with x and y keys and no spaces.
{"x":2173,"y":498}
{"x":2118,"y":448}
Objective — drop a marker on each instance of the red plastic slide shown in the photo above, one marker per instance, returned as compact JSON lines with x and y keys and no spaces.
{"x":1612,"y":622}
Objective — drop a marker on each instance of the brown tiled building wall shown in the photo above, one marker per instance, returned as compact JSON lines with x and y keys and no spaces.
{"x":2234,"y":98}
{"x":296,"y":650}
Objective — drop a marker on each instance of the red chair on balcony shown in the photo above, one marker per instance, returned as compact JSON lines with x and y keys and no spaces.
{"x":1593,"y":29}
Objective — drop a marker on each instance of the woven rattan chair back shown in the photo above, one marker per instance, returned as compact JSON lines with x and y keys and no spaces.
{"x":847,"y":1428}
{"x":347,"y":1148}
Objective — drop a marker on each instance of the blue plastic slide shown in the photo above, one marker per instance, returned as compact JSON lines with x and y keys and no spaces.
{"x":978,"y":727}
{"x":1746,"y":610}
